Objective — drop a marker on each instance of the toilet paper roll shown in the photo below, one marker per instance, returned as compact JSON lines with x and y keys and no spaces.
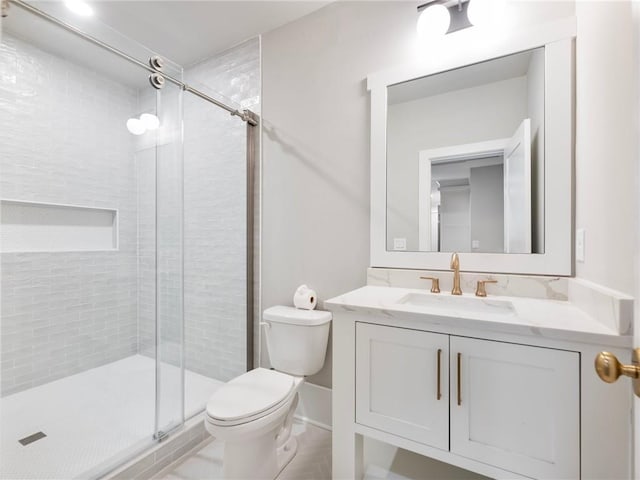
{"x":305,"y":298}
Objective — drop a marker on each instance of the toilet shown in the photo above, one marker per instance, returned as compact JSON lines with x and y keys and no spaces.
{"x":253,"y":413}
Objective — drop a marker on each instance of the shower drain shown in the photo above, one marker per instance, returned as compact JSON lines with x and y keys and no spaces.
{"x":32,"y":438}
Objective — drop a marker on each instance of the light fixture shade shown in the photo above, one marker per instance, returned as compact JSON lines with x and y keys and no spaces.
{"x":135,"y":126}
{"x":433,"y":21}
{"x":479,"y":12}
{"x":150,"y":121}
{"x":79,"y":7}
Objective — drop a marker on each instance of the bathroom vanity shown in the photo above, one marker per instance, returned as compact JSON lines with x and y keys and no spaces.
{"x":502,"y":386}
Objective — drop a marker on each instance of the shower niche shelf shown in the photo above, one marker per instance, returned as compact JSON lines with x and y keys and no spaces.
{"x":51,"y":227}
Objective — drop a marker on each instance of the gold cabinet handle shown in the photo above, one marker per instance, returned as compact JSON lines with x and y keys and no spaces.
{"x":435,"y":283}
{"x":439,"y":394}
{"x":609,"y":368}
{"x":459,"y":382}
{"x":481,"y":291}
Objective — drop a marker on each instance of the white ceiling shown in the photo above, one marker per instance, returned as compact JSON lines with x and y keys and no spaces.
{"x":190,"y":31}
{"x":183,"y":31}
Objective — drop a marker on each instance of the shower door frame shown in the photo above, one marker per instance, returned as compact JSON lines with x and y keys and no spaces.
{"x":253,"y":138}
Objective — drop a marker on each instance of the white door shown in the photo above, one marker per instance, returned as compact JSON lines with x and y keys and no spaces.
{"x":402,"y":383}
{"x":425,"y":234}
{"x":515,"y":407}
{"x":517,"y":191}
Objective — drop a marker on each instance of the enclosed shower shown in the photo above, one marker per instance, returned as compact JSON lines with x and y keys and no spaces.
{"x":127,"y":226}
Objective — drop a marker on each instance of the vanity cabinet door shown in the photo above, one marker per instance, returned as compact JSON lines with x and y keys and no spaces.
{"x":402,"y":383}
{"x":516,"y":407}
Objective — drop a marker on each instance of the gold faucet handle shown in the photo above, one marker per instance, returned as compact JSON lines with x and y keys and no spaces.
{"x":435,"y":283}
{"x":481,"y":291}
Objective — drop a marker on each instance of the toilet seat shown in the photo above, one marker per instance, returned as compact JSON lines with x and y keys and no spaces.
{"x":250,"y":396}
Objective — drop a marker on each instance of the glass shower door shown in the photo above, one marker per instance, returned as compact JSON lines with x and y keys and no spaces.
{"x":169,"y":260}
{"x":91,"y":251}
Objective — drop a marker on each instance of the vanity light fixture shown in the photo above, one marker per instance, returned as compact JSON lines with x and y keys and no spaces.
{"x":434,"y":20}
{"x":479,"y":12}
{"x":441,"y":17}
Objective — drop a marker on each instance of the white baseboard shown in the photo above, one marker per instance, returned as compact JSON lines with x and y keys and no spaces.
{"x":315,"y":405}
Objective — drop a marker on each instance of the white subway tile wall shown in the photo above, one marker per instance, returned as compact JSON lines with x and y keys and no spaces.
{"x":63,"y":140}
{"x":159,"y":164}
{"x":215,"y":212}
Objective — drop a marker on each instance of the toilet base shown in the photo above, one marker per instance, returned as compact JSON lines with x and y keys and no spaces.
{"x":239,"y":458}
{"x":261,"y":448}
{"x":286,"y":453}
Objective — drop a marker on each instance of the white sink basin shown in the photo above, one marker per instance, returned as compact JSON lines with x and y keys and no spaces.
{"x":458,"y":303}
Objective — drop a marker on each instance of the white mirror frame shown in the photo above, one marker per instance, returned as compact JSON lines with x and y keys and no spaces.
{"x":557,"y":259}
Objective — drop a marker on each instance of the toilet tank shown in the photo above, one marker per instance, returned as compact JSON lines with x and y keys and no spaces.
{"x":296,"y":339}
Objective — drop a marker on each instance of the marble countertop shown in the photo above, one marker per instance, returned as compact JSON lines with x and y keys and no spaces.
{"x":556,"y":319}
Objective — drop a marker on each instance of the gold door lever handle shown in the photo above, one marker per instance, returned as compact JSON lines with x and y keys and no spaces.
{"x":610,"y":369}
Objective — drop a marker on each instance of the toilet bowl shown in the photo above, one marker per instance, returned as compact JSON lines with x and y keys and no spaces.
{"x":253,"y":413}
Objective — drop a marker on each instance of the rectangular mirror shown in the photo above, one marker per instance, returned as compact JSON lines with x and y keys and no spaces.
{"x":465,"y":158}
{"x":472,"y":152}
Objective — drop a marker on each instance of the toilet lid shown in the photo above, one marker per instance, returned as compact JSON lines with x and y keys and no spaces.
{"x":296,"y":316}
{"x":249,"y":394}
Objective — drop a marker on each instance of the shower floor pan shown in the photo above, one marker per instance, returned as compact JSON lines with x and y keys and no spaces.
{"x":91,"y":419}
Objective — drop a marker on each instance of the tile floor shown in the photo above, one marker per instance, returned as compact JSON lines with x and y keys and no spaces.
{"x":312,"y":461}
{"x":91,"y":418}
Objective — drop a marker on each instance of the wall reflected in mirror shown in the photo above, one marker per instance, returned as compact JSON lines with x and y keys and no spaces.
{"x":465,"y":158}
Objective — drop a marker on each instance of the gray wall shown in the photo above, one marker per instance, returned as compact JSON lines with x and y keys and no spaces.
{"x":535,"y":88}
{"x":63,"y":140}
{"x":487,"y":207}
{"x":607,"y":143}
{"x":316,"y":147}
{"x":486,"y":112}
{"x":455,"y":225}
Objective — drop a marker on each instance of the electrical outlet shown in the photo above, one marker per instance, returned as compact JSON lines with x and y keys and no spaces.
{"x":580,"y":245}
{"x":399,"y":243}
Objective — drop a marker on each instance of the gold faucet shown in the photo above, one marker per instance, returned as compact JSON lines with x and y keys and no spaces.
{"x":455,"y":265}
{"x":481,"y":291}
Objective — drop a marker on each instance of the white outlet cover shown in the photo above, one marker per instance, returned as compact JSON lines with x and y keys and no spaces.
{"x":399,"y":243}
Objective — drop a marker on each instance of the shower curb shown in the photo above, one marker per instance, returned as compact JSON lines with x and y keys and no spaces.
{"x":159,"y":457}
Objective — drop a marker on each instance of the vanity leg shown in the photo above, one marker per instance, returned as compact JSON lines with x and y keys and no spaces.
{"x":358,"y":456}
{"x":347,"y":445}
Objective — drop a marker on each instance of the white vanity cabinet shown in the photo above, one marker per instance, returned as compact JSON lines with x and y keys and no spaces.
{"x":514,"y":407}
{"x":519,"y":395}
{"x":402,"y":382}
